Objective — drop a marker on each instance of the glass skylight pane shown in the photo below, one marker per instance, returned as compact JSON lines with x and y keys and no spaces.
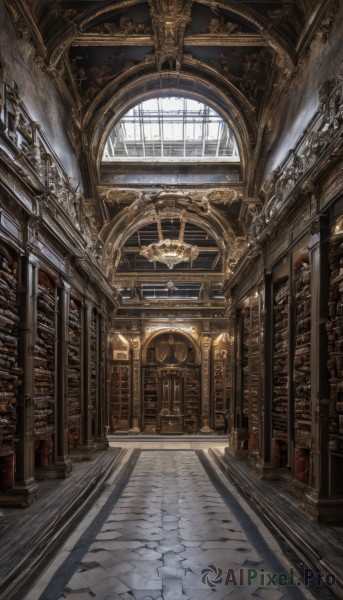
{"x":184,"y":128}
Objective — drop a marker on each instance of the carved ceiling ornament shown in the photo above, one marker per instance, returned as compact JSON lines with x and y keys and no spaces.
{"x":222,"y":196}
{"x":326,"y":127}
{"x":324,"y":29}
{"x":234,"y":254}
{"x":169,"y":20}
{"x":115,"y":196}
{"x":123,"y":26}
{"x":219,"y":24}
{"x":169,"y":203}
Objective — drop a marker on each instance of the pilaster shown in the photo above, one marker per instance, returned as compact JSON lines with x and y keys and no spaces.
{"x":317,"y":502}
{"x":206,"y":343}
{"x":26,"y":489}
{"x":100,"y":416}
{"x":239,"y":433}
{"x":88,"y":447}
{"x":136,"y":385}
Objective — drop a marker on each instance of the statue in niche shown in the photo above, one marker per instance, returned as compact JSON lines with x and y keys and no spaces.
{"x":253,"y":68}
{"x":221,"y":26}
{"x":125,"y":26}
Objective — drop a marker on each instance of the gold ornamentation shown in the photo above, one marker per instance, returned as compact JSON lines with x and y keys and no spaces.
{"x":170,"y":252}
{"x":225,"y":196}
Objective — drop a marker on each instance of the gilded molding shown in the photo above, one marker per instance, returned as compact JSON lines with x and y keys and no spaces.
{"x":323,"y":132}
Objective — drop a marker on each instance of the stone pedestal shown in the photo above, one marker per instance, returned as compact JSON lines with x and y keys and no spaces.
{"x":206,"y":430}
{"x":57,"y":470}
{"x":135,"y":430}
{"x":323,"y":510}
{"x":270,"y":473}
{"x":20,"y":496}
{"x":238,"y":443}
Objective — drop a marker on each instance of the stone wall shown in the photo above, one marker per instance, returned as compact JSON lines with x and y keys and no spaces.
{"x":299,"y":103}
{"x":41,"y":98}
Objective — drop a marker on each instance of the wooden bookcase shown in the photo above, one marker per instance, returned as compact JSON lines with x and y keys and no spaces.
{"x":119,"y":395}
{"x":302,"y":372}
{"x":93,"y":367}
{"x":280,"y":372}
{"x":334,"y":328}
{"x":74,"y":376}
{"x":192,"y":401}
{"x":44,"y":372}
{"x":10,"y":371}
{"x":150,"y":399}
{"x":254,"y":373}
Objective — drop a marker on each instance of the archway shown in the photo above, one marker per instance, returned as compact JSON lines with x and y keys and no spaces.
{"x":171,"y":385}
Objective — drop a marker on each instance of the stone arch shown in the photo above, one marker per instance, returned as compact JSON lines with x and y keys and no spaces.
{"x":165,"y":329}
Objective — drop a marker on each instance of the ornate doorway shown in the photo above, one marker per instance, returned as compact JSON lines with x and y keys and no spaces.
{"x":171,"y":386}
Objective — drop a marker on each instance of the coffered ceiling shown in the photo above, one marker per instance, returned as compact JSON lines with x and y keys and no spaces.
{"x":108,"y":56}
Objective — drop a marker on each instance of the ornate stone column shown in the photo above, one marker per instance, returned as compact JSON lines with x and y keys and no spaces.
{"x":63,"y":465}
{"x":239,"y":432}
{"x":25,"y":489}
{"x":88,"y":446}
{"x":265,"y":421}
{"x":318,"y":503}
{"x":206,"y":342}
{"x":136,"y":384}
{"x":100,"y":417}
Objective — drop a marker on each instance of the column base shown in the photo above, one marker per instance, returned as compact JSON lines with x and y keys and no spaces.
{"x":102,"y":443}
{"x":134,"y":431}
{"x":236,"y":453}
{"x":58,"y":470}
{"x":324,"y":510}
{"x":206,"y":431}
{"x":238,"y":443}
{"x":87,"y":451}
{"x":269,"y":473}
{"x":20,"y":496}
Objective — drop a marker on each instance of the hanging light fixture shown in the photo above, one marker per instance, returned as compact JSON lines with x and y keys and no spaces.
{"x":170,"y":252}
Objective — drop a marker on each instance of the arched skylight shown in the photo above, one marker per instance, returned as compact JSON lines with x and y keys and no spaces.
{"x":171,"y":129}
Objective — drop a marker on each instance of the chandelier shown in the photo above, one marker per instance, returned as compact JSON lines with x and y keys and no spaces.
{"x":170,"y":252}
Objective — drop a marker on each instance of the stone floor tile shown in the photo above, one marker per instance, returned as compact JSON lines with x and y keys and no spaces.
{"x":149,"y":554}
{"x":172,"y":559}
{"x":85,"y":579}
{"x":169,"y":524}
{"x":108,"y":535}
{"x":85,"y":595}
{"x":170,"y":548}
{"x":148,"y":568}
{"x":191,"y":543}
{"x":116,"y":557}
{"x":111,"y":584}
{"x":135,"y":581}
{"x":142,"y":535}
{"x":168,"y":572}
{"x":268,"y":593}
{"x":243,"y":547}
{"x":107,"y":595}
{"x":172,"y":589}
{"x":117,"y":545}
{"x":144,"y":595}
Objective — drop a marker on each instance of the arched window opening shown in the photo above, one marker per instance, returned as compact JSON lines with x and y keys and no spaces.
{"x":171,"y":129}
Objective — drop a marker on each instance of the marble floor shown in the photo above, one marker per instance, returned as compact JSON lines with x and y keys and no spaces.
{"x":169,"y":526}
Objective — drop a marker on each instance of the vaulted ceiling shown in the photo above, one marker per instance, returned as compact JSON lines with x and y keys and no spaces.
{"x":108,"y":56}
